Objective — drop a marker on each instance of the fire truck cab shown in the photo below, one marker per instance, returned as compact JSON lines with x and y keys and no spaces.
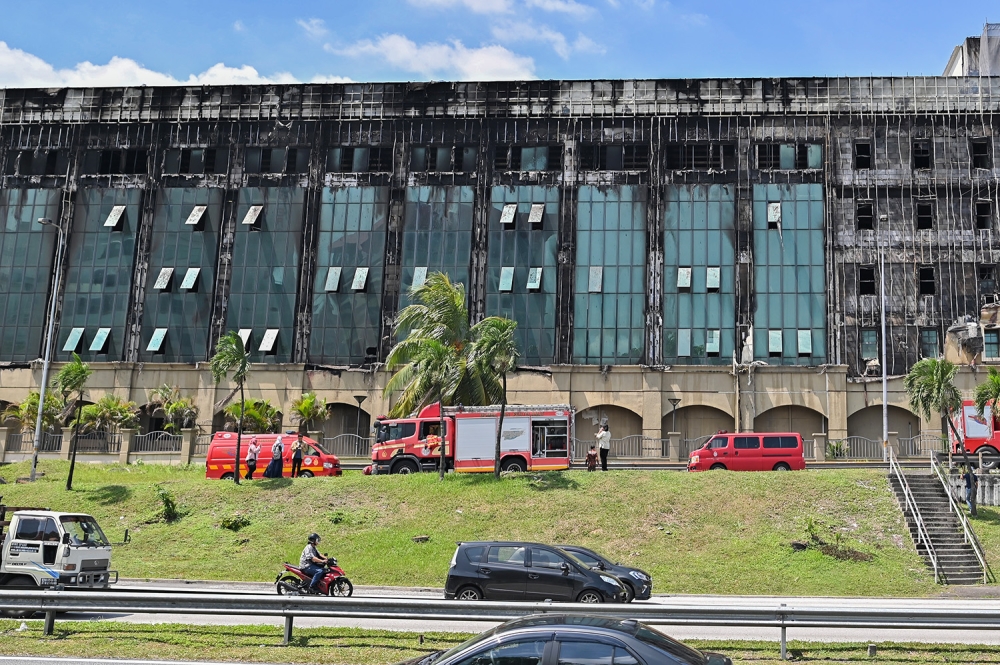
{"x":981,"y":433}
{"x":534,"y":438}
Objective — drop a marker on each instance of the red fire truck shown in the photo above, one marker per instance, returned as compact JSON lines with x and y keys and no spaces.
{"x":981,"y":433}
{"x":534,"y":438}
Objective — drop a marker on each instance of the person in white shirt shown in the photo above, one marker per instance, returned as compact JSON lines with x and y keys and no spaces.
{"x":604,"y":443}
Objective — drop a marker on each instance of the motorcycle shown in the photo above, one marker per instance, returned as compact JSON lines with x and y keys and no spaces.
{"x":293,"y":582}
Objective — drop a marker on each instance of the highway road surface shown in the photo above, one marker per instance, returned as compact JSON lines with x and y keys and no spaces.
{"x":680,"y":632}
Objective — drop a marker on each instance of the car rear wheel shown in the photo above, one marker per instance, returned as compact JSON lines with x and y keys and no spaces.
{"x":305,"y":474}
{"x":405,"y":466}
{"x":468,"y":593}
{"x":629,"y":592}
{"x":589,"y":597}
{"x":718,"y":467}
{"x":781,"y":466}
{"x":226,"y":476}
{"x":515,"y":464}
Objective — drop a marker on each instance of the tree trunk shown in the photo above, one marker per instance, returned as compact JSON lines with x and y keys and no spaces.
{"x":503,"y":408}
{"x":444,"y":460}
{"x":239,"y":436}
{"x":72,"y":444}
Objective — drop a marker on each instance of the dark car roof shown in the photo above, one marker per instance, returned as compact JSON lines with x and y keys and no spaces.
{"x":519,"y":543}
{"x":626,"y":626}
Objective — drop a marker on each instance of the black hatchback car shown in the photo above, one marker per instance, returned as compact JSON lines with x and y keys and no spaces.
{"x":526,"y":572}
{"x":550,"y":639}
{"x":638,"y":583}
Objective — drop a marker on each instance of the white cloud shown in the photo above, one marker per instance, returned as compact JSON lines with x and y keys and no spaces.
{"x":452,"y":60}
{"x":314,"y":27}
{"x":238,"y":26}
{"x":19,"y":69}
{"x":565,"y":6}
{"x":478,"y":6}
{"x":526,"y":32}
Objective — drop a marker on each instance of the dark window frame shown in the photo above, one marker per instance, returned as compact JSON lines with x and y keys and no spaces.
{"x":922,"y":153}
{"x":926,"y":282}
{"x":983,"y":213}
{"x":923,"y":215}
{"x":980,"y":153}
{"x":867,"y":283}
{"x":864,"y":215}
{"x":863,"y":158}
{"x":924,"y":342}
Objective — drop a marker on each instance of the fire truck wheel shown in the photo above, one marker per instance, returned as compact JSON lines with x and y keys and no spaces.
{"x":22,"y":581}
{"x":990,"y":458}
{"x":405,"y":466}
{"x":515,"y":464}
{"x":468,"y":593}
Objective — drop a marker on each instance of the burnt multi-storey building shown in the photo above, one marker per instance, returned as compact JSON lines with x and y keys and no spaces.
{"x":712,"y":241}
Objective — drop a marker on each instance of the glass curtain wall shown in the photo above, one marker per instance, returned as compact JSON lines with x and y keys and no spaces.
{"x":99,"y":273}
{"x":27,"y":251}
{"x":610,"y":293}
{"x":521,"y":266}
{"x":183,"y":250}
{"x":347,"y":290}
{"x":790,"y":317}
{"x":699,"y":309}
{"x":437,"y":235}
{"x":267,"y":255}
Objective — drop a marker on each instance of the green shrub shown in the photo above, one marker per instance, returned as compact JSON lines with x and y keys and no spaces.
{"x":235,"y":523}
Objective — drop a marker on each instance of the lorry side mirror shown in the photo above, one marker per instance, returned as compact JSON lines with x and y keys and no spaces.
{"x":65,"y":539}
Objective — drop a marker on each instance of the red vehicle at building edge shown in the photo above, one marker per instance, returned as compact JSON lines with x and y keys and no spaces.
{"x":981,"y":433}
{"x":534,"y":438}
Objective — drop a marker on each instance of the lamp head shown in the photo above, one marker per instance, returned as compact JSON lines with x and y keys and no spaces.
{"x":45,"y":221}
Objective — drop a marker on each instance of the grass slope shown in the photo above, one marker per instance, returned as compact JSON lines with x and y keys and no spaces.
{"x":696,"y":533}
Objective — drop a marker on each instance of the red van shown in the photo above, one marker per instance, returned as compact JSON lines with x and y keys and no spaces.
{"x":749,"y":451}
{"x":219,"y":462}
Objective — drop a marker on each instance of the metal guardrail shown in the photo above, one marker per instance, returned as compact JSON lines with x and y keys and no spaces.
{"x":911,"y":505}
{"x":768,"y":613}
{"x":348,"y":445}
{"x":922,"y":444}
{"x":854,"y":447}
{"x":17,"y":443}
{"x":201,"y":444}
{"x":22,"y":442}
{"x":625,"y":447}
{"x":156,"y":442}
{"x":99,"y":442}
{"x":969,"y":534}
{"x":51,"y":443}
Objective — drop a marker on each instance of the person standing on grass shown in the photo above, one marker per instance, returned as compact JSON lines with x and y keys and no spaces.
{"x":592,"y":459}
{"x":604,"y":443}
{"x":971,"y":488}
{"x":297,"y":457}
{"x":253,"y":451}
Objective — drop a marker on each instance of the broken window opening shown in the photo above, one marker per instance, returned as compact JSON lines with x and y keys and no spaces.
{"x":349,"y":159}
{"x":987,"y":279}
{"x":768,"y":156}
{"x":866,"y":281}
{"x":981,"y":158}
{"x":809,"y":156}
{"x":598,"y":157}
{"x":774,"y":215}
{"x":984,"y":215}
{"x":925,"y":216}
{"x":695,"y":156}
{"x":864,"y":216}
{"x":927,"y":284}
{"x":929,"y":343}
{"x":863,"y":155}
{"x":922,"y":154}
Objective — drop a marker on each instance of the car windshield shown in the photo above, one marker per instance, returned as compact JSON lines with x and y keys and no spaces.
{"x":83,"y":531}
{"x":681,"y":652}
{"x":468,"y":643}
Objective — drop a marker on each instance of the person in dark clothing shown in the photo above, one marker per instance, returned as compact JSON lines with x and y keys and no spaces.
{"x":312,"y":562}
{"x":592,"y":459}
{"x":297,"y":457}
{"x":604,"y":444}
{"x":971,"y":488}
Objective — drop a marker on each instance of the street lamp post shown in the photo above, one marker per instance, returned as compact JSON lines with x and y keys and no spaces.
{"x":674,"y":401}
{"x":48,"y":342}
{"x":885,"y":359}
{"x":357,"y":427}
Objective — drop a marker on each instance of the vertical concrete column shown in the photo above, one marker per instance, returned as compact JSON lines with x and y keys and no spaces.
{"x":652,"y":414}
{"x":894,"y":442}
{"x":836,"y":400}
{"x":189,"y":437}
{"x":675,"y":446}
{"x":126,"y":445}
{"x":316,"y":436}
{"x":3,"y":444}
{"x":819,"y":447}
{"x":67,"y":440}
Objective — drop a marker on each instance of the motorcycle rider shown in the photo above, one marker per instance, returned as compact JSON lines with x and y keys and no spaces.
{"x":312,"y":562}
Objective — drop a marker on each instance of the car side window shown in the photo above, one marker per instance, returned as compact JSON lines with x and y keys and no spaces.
{"x":772,"y":442}
{"x":594,"y":653}
{"x":789,"y":442}
{"x":506,"y":554}
{"x":545,"y":559}
{"x":37,"y":528}
{"x":512,"y":653}
{"x":746,"y":442}
{"x":718,"y":442}
{"x":587,"y":559}
{"x":474,"y":554}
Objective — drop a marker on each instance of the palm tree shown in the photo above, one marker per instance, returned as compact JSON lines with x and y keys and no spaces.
{"x":988,"y":394}
{"x":930,"y":384}
{"x":440,"y":315}
{"x":258,"y":415}
{"x":308,"y":410}
{"x":72,"y":380}
{"x":494,"y":347}
{"x":232,"y":356}
{"x":26,"y":413}
{"x":109,"y":414}
{"x":178,"y":412}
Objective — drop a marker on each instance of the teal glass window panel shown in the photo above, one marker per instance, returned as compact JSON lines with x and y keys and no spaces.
{"x":814,"y":156}
{"x":869,"y":344}
{"x":163,"y":279}
{"x":805,"y":342}
{"x":360,"y":279}
{"x":269,"y":341}
{"x":156,"y":341}
{"x":506,"y":278}
{"x":534,"y":279}
{"x":712,"y":338}
{"x":190,"y":280}
{"x":786,"y":156}
{"x":332,"y":279}
{"x":194,"y":218}
{"x":72,"y":343}
{"x":419,"y":276}
{"x":534,"y":158}
{"x":252,"y":216}
{"x":595,"y":279}
{"x":684,"y":342}
{"x":100,"y":339}
{"x":774,"y":341}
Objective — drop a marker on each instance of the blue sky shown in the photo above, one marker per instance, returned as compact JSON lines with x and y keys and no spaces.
{"x":222,"y":41}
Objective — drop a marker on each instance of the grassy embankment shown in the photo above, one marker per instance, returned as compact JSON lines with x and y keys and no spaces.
{"x":726,"y":533}
{"x":351,"y":646}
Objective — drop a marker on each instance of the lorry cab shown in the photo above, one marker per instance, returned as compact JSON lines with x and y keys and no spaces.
{"x":43,"y":548}
{"x":750,"y":451}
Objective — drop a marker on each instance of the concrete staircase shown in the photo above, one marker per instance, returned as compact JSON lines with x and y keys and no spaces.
{"x":957,"y":561}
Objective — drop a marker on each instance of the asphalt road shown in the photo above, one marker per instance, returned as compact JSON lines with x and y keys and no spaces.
{"x":680,"y":632}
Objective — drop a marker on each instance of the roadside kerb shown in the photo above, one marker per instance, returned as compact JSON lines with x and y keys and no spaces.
{"x":984,"y":616}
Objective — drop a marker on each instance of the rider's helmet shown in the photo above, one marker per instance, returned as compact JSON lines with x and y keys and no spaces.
{"x":314,"y":538}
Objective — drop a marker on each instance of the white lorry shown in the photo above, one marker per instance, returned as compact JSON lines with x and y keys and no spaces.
{"x":44,"y":548}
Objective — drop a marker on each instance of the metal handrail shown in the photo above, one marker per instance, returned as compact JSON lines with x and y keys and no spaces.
{"x":970,"y":535}
{"x":911,"y":504}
